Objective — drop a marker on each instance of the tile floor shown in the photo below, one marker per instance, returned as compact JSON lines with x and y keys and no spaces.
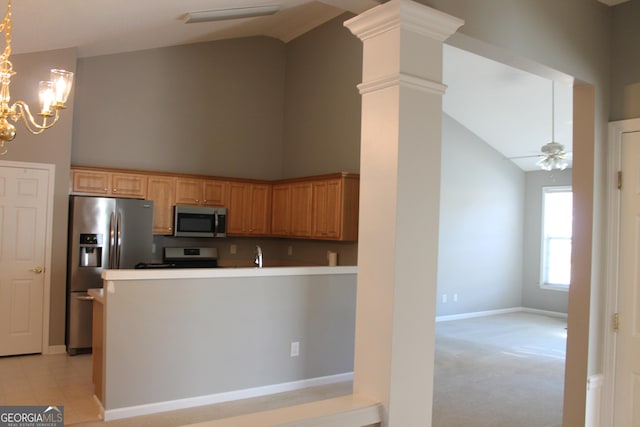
{"x":56,"y":379}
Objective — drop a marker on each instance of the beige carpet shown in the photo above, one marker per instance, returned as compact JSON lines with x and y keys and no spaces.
{"x":496,"y":371}
{"x":503,"y":370}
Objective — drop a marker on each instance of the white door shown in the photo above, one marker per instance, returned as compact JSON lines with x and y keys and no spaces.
{"x":23,"y":219}
{"x":627,"y":377}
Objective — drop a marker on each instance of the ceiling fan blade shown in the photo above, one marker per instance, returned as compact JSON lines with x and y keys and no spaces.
{"x":525,"y":157}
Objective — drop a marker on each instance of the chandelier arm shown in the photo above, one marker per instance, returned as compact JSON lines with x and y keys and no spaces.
{"x":22,"y":112}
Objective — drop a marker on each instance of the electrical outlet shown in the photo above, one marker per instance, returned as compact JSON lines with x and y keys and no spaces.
{"x":289,"y":250}
{"x":295,"y":349}
{"x":444,"y":298}
{"x":233,"y":249}
{"x":455,"y":297}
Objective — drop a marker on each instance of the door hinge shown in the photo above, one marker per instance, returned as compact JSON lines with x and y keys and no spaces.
{"x":616,"y":321}
{"x":619,"y":180}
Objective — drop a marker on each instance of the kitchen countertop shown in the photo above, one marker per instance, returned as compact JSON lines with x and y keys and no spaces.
{"x":205,"y":273}
{"x":97,"y":294}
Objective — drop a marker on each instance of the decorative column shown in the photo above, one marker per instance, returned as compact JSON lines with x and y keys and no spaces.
{"x":399,"y":206}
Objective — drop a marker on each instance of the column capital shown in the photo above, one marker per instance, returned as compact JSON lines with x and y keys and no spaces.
{"x":404,"y":14}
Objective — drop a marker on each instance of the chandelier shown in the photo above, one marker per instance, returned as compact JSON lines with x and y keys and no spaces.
{"x":53,"y":94}
{"x":553,"y":154}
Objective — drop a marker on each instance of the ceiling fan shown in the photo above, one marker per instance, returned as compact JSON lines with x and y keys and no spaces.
{"x":552,"y":154}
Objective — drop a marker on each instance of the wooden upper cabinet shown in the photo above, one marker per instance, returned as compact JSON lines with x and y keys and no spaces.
{"x":214,"y":192}
{"x":281,"y":210}
{"x":249,"y":209}
{"x":335,"y":209}
{"x":90,"y":182}
{"x":201,"y":192}
{"x":301,"y":209}
{"x":322,"y":208}
{"x":327,"y":198}
{"x":128,"y":185}
{"x":104,"y":183}
{"x":161,"y":189}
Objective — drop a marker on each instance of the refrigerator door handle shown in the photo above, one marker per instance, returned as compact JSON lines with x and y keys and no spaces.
{"x":112,"y":241}
{"x":118,"y":239}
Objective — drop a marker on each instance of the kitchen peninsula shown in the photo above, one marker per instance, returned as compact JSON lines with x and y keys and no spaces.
{"x":176,"y":338}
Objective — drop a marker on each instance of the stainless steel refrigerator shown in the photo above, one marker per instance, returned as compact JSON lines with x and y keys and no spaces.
{"x":104,"y":233}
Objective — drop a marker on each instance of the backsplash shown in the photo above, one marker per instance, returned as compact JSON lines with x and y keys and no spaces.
{"x":239,"y":251}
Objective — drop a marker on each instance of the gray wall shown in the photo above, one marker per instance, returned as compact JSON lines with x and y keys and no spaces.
{"x":52,"y":147}
{"x":207,"y":336}
{"x":532,"y":295}
{"x":322,"y":114}
{"x":209,"y":108}
{"x":481,"y":233}
{"x":625,"y":61}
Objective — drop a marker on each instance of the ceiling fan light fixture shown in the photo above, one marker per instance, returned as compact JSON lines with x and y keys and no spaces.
{"x":553,"y":158}
{"x":553,"y":152}
{"x":233,"y":13}
{"x":552,"y":147}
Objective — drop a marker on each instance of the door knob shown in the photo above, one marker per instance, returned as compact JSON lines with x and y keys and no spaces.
{"x":37,"y":270}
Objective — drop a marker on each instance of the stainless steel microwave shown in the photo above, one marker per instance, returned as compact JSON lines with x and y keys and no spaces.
{"x":200,"y":221}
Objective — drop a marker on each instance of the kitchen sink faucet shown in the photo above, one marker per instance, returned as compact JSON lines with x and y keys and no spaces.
{"x":258,"y":258}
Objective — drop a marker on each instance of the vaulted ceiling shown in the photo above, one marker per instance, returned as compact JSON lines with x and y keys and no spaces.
{"x":508,"y":108}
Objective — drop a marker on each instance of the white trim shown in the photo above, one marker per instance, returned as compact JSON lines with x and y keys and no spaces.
{"x":614,"y":153}
{"x":171,"y":405}
{"x":404,"y":14}
{"x":56,"y":349}
{"x":499,"y":311}
{"x":48,"y":242}
{"x":594,"y":400}
{"x":403,"y":80}
{"x":549,"y":287}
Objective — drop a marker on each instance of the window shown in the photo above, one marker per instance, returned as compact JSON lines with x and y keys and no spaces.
{"x":557,"y":219}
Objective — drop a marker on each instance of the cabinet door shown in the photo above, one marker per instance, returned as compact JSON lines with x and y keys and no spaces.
{"x":161,"y":190}
{"x":128,"y":185}
{"x":90,"y":182}
{"x":260,"y":209}
{"x":281,"y":209}
{"x":301,"y":206}
{"x":214,"y":193}
{"x":188,"y":191}
{"x":327,"y":207}
{"x":239,"y":198}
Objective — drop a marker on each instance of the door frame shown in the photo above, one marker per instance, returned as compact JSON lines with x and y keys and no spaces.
{"x":612,"y":284}
{"x":48,"y":239}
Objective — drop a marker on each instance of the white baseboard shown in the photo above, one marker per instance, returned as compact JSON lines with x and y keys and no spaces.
{"x":594,"y":400}
{"x":56,"y":349}
{"x":544,"y":312}
{"x":172,"y":405}
{"x":499,"y":311}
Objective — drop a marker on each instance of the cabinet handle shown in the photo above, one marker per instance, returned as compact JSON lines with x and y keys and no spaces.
{"x":115,"y":190}
{"x":106,"y":190}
